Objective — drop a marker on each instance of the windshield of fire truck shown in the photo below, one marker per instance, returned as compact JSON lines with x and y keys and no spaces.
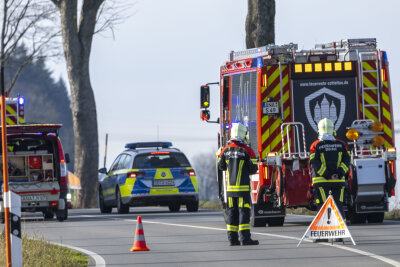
{"x":244,"y":103}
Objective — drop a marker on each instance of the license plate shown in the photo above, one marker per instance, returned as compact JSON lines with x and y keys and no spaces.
{"x":164,"y":182}
{"x":270,"y":108}
{"x":34,"y":198}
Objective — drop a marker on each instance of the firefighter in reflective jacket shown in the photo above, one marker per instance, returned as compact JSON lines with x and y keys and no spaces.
{"x":239,"y":161}
{"x":330,"y":159}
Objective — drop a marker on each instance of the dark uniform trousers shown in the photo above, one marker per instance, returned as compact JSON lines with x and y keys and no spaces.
{"x":238,"y":218}
{"x":322,"y":188}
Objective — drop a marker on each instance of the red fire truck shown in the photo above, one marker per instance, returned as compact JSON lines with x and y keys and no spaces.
{"x":280,"y":93}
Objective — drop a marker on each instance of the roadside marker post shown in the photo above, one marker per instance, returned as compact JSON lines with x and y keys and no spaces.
{"x":15,"y":217}
{"x":328,"y":223}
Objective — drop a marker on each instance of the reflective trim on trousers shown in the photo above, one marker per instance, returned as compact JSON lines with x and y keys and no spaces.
{"x":232,"y":228}
{"x":243,"y":227}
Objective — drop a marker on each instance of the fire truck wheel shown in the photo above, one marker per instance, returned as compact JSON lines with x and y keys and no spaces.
{"x":376,"y":217}
{"x":121,"y":207}
{"x":357,"y":218}
{"x":62,"y":215}
{"x":192,"y":206}
{"x":174,"y":207}
{"x":102,"y":205}
{"x":258,"y":222}
{"x":276,"y":221}
{"x":47,"y":215}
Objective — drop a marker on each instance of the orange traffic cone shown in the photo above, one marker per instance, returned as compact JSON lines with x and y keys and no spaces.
{"x":139,"y":244}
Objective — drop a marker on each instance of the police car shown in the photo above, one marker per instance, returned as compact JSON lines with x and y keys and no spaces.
{"x":148,"y":174}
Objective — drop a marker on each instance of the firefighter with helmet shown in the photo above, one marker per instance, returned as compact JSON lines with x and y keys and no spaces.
{"x":239,"y":162}
{"x":329,"y":159}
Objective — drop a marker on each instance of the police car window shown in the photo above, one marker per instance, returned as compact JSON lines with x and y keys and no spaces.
{"x":121,"y":162}
{"x":114,"y":166}
{"x":126,"y":164}
{"x":160,"y":160}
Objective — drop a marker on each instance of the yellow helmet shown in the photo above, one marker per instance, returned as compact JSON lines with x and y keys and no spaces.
{"x":238,"y":132}
{"x":325,"y":126}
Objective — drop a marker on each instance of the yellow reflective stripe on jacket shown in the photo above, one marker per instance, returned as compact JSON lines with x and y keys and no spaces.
{"x":323,"y":165}
{"x":312,"y":155}
{"x":244,"y":227}
{"x":239,"y":175}
{"x":344,"y":167}
{"x":254,"y":161}
{"x":230,"y":202}
{"x":241,"y":188}
{"x":232,"y":228}
{"x":339,"y":161}
{"x":240,"y":202}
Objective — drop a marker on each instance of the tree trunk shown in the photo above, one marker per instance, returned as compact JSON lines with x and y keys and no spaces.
{"x":77,"y":43}
{"x":260,"y":23}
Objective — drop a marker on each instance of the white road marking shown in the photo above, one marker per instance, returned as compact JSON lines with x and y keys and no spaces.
{"x":357,"y":251}
{"x":99,"y":261}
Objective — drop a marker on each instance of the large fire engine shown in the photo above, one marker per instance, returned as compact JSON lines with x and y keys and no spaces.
{"x":37,"y":167}
{"x":280,"y":93}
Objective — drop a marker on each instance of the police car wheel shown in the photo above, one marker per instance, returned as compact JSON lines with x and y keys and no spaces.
{"x":102,"y":205}
{"x":192,"y":206}
{"x":174,"y":207}
{"x":121,"y":207}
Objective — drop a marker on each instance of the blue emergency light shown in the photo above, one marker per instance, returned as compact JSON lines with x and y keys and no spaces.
{"x":21,"y":100}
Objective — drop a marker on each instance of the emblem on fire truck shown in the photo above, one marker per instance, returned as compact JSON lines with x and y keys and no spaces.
{"x":325,"y":103}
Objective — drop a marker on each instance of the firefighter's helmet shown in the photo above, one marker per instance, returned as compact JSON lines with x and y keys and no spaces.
{"x":238,"y":132}
{"x":325,"y":126}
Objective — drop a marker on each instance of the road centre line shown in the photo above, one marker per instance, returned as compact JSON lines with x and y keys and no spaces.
{"x":99,"y":261}
{"x":354,"y":250}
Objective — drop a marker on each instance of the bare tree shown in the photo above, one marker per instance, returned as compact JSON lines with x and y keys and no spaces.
{"x":260,"y":23}
{"x":205,"y":166}
{"x":28,"y":23}
{"x":77,"y":36}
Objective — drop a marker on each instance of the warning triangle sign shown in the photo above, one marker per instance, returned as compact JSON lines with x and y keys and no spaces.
{"x":328,"y":224}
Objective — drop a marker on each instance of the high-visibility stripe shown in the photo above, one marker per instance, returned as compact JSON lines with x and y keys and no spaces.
{"x":240,"y":202}
{"x":231,"y":228}
{"x":323,"y":165}
{"x":341,"y":194}
{"x":230,"y":202}
{"x":243,"y":188}
{"x":322,"y":192}
{"x":239,"y":175}
{"x":312,"y":155}
{"x":339,"y":159}
{"x":243,"y":227}
{"x":344,"y":167}
{"x":317,"y":180}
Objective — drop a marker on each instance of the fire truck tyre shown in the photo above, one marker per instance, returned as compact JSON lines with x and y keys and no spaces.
{"x":276,"y":221}
{"x":357,"y":218}
{"x":62,"y":215}
{"x":376,"y":217}
{"x":121,"y":207}
{"x":174,"y":207}
{"x":192,"y":206}
{"x":258,"y":222}
{"x":102,"y":205}
{"x":47,"y":215}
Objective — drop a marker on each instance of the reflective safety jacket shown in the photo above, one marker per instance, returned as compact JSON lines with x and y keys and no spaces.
{"x":240,"y":162}
{"x":327,"y":158}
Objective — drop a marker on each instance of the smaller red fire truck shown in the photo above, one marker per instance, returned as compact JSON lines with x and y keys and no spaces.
{"x":281,"y":93}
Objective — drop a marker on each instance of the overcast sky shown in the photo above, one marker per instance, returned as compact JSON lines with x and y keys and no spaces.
{"x":148,"y":78}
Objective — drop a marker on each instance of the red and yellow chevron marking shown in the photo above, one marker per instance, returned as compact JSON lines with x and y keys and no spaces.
{"x":386,"y":116}
{"x":11,"y":114}
{"x":271,"y":139}
{"x":370,"y":97}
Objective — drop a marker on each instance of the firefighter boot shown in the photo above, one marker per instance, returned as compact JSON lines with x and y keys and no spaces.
{"x":249,"y":242}
{"x":234,"y":243}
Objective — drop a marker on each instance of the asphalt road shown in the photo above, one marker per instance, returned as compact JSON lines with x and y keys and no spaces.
{"x":199,"y":239}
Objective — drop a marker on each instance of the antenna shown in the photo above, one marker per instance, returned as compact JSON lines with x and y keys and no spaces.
{"x":105,"y":151}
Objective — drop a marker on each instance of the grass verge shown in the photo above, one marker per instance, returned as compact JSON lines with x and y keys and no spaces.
{"x":210,"y":205}
{"x":37,"y":252}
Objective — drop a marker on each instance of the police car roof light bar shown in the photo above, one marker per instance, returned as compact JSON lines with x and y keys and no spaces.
{"x":148,"y":144}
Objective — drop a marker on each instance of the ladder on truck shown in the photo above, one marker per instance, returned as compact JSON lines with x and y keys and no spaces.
{"x":363,"y":57}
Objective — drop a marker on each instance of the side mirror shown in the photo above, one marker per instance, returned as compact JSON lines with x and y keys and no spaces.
{"x":205,"y":115}
{"x":67,"y":159}
{"x":103,"y":170}
{"x":204,"y":96}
